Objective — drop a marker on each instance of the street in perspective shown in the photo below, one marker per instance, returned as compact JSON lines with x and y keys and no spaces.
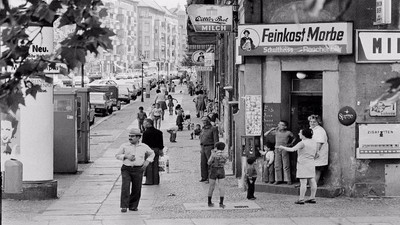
{"x":200,"y":112}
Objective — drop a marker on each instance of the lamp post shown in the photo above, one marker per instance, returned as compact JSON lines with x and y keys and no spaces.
{"x":158,"y":75}
{"x":142,"y":59}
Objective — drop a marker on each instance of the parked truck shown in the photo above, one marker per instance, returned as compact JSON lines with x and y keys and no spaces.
{"x":111,"y":90}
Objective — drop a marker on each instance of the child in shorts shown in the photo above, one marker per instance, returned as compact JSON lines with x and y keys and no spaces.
{"x":216,"y":163}
{"x":141,"y":115}
{"x":157,"y":113}
{"x":268,"y":167}
{"x":196,"y":131}
{"x":251,"y":176}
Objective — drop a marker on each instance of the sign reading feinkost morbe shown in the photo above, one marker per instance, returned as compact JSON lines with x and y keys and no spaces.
{"x":296,"y":39}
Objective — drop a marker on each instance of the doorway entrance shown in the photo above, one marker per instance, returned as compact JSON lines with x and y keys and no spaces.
{"x":302,"y":106}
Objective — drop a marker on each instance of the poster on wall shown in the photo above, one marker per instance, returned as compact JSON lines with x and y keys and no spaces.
{"x":383,"y":109}
{"x":378,"y":141}
{"x":253,"y":117}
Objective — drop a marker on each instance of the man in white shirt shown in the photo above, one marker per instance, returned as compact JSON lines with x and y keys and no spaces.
{"x":135,"y":157}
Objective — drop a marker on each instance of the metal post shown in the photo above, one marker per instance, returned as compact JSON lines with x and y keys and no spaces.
{"x":158,"y":75}
{"x":142,"y":84}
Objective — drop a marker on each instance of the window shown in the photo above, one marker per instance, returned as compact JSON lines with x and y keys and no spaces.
{"x":147,"y":40}
{"x":146,"y":27}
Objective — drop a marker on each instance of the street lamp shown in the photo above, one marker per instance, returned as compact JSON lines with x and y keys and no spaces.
{"x":158,"y":75}
{"x":142,"y":60}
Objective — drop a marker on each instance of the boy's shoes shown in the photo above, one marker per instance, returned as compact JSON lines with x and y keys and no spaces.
{"x":271,"y":182}
{"x":206,"y":182}
{"x":133,"y":209}
{"x":124,"y":210}
{"x":221,"y":205}
{"x":203,"y":180}
{"x":252,"y":198}
{"x":289,"y":183}
{"x":312,"y":201}
{"x":173,"y":141}
{"x":278,"y":182}
{"x":299,"y":202}
{"x":210,"y":204}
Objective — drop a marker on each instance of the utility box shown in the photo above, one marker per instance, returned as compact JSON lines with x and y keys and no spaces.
{"x":65,"y":131}
{"x":83,"y":125}
{"x":13,"y":176}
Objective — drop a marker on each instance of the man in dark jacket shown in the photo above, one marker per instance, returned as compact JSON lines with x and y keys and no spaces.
{"x":154,"y":139}
{"x":208,"y":138}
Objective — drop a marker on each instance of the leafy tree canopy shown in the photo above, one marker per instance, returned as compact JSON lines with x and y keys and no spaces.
{"x":88,"y":35}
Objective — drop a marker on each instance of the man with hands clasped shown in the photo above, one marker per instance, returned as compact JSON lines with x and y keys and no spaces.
{"x":135,"y":158}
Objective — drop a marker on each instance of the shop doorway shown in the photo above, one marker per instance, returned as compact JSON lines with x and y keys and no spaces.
{"x":302,"y":106}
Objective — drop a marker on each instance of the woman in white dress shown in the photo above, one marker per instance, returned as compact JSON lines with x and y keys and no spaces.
{"x":306,"y":149}
{"x":319,"y":135}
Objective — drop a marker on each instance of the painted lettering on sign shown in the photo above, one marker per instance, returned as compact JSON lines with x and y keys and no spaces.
{"x":214,"y":28}
{"x":383,"y":46}
{"x":310,"y":34}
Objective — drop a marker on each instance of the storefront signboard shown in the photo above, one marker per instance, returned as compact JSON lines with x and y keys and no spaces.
{"x":296,"y":39}
{"x":378,"y":141}
{"x":211,"y":18}
{"x":383,"y":108}
{"x":253,"y":114}
{"x":377,"y":46}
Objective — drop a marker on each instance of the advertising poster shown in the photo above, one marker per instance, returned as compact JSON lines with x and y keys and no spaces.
{"x":253,"y":114}
{"x":377,"y":141}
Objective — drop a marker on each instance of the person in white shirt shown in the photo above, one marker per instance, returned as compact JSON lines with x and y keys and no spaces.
{"x":268,"y":168}
{"x":135,"y":157}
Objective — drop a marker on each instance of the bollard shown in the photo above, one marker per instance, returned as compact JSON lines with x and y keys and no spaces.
{"x":13,"y":176}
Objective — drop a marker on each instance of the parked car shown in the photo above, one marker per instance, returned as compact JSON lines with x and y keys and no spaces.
{"x":108,"y":86}
{"x":101,"y":103}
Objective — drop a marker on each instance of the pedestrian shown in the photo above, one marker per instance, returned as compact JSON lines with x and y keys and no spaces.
{"x":208,"y":138}
{"x":171,"y":104}
{"x":156,"y":115}
{"x":135,"y":158}
{"x":172,"y":131}
{"x":217,"y":173}
{"x":179,"y":117}
{"x":160,"y":99}
{"x":141,"y":115}
{"x":306,"y":149}
{"x":321,"y":157}
{"x":283,"y":137}
{"x":268,"y":167}
{"x":251,"y":177}
{"x":196,"y":131}
{"x":200,"y":102}
{"x":154,"y":139}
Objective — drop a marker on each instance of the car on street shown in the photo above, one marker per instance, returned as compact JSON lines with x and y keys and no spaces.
{"x":109,"y":86}
{"x":101,"y":103}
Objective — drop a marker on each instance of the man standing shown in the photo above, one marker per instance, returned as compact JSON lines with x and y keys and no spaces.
{"x":285,"y":138}
{"x":208,"y":138}
{"x":134,"y":162}
{"x":154,"y":139}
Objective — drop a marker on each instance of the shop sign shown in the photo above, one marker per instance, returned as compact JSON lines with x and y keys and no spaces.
{"x":211,"y":18}
{"x":377,"y":46}
{"x":296,"y":39}
{"x":203,"y":68}
{"x":383,"y":108}
{"x":347,"y":116}
{"x":253,"y":114}
{"x":378,"y":141}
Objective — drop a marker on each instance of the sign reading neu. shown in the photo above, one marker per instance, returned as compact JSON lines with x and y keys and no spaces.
{"x":296,"y":39}
{"x":377,"y":46}
{"x":210,"y":18}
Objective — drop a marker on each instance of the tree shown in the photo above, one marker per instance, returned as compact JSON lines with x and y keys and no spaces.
{"x":88,"y":35}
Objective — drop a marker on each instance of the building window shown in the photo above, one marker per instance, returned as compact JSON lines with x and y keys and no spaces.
{"x":146,"y":27}
{"x":147,"y":40}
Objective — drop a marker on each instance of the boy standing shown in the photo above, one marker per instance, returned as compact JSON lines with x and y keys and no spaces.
{"x":141,"y":115}
{"x":268,"y":168}
{"x":251,"y":177}
{"x":285,"y":138}
{"x":216,"y":162}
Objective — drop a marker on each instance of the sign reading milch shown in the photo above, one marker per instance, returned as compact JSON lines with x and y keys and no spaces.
{"x":210,"y":18}
{"x":296,"y":39}
{"x":377,"y":46}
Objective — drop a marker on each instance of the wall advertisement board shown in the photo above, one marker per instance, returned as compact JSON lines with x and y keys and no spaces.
{"x":378,"y":141}
{"x":296,"y":39}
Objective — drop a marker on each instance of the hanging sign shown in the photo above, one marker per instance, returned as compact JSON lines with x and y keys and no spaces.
{"x":296,"y":39}
{"x":211,"y":18}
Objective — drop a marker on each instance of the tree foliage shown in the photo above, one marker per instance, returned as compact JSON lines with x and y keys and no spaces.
{"x":88,"y":35}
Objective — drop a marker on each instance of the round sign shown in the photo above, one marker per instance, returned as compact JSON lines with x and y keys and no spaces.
{"x":347,"y":116}
{"x":198,"y":57}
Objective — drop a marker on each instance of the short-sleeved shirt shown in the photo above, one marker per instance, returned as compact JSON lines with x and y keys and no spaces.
{"x":319,"y":135}
{"x":282,"y":137}
{"x":139,"y":150}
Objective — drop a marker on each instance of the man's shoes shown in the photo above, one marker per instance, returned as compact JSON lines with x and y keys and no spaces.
{"x":312,"y":201}
{"x":299,"y":202}
{"x":124,"y":210}
{"x":206,"y":182}
{"x":252,"y":198}
{"x":271,"y":182}
{"x":203,"y":180}
{"x":173,"y":141}
{"x":289,"y":183}
{"x":133,"y":209}
{"x":278,"y":182}
{"x":210,"y":204}
{"x":221,"y":205}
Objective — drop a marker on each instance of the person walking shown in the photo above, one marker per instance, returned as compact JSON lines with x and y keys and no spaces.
{"x":134,"y":162}
{"x":154,"y":139}
{"x":208,"y":138}
{"x":283,"y":137}
{"x":200,"y":102}
{"x":217,"y":172}
{"x":141,"y":115}
{"x":306,"y":149}
{"x":160,"y":99}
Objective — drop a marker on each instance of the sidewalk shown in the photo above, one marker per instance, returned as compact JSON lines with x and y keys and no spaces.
{"x":93,"y":198}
